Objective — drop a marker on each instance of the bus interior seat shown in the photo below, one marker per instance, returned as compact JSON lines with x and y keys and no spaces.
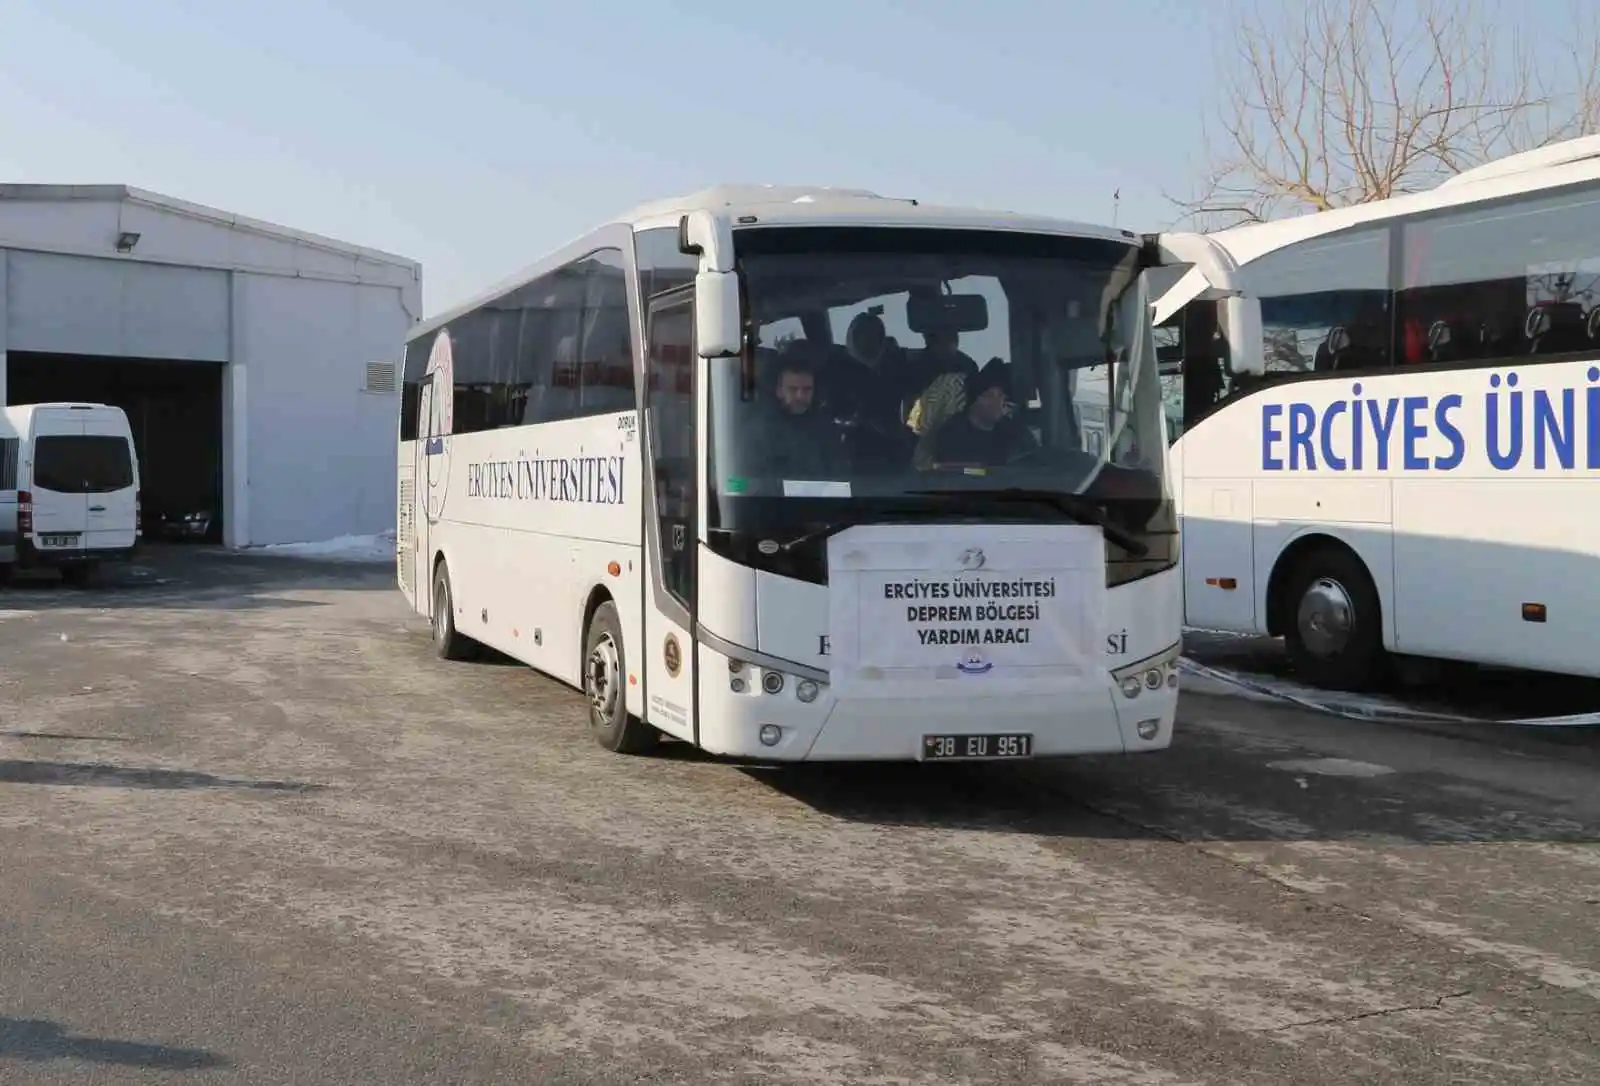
{"x":1335,"y":349}
{"x":1441,"y":345}
{"x":1593,"y":323}
{"x":1553,"y":327}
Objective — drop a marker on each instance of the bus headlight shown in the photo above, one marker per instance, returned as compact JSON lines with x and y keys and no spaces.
{"x":1131,"y":687}
{"x":772,"y":682}
{"x":807,"y":690}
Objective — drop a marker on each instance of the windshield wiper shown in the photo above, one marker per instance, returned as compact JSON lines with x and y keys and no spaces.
{"x":867,"y":516}
{"x":1076,"y":508}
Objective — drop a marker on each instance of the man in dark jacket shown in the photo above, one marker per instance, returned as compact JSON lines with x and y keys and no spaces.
{"x":983,"y":434}
{"x":796,"y":441}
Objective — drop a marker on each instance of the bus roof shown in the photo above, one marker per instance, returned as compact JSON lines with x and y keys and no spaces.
{"x":791,"y":205}
{"x":1570,"y":162}
{"x":821,"y":205}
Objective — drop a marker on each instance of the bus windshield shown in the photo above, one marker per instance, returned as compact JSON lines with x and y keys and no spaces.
{"x":934,"y":373}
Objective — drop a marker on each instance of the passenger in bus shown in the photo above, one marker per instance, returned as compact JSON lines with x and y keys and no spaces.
{"x":794,"y":440}
{"x":871,"y":361}
{"x":984,"y":434}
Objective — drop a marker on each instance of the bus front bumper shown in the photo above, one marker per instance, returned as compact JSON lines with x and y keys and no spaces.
{"x":1128,"y":711}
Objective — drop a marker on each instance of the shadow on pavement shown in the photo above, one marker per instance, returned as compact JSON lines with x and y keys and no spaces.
{"x":1208,"y":787}
{"x":39,"y":1041}
{"x":1492,"y":694}
{"x":102,"y":775}
{"x":182,"y":576}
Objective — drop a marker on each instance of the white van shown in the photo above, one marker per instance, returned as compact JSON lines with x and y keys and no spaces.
{"x":69,"y":487}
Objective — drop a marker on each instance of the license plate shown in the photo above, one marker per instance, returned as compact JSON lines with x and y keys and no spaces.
{"x":59,"y":540}
{"x":944,"y":748}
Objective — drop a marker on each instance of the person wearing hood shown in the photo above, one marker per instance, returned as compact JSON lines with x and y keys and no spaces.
{"x":982,"y":433}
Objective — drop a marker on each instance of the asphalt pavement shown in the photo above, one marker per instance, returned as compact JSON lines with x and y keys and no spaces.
{"x":251,"y":831}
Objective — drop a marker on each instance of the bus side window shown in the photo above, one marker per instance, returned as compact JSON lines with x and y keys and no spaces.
{"x":1325,"y":304}
{"x":1512,"y":279}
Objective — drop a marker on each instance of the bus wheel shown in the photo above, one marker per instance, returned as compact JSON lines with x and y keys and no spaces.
{"x":448,"y":642}
{"x":1334,"y":629}
{"x":605,"y":682}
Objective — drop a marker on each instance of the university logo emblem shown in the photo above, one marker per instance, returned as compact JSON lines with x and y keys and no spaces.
{"x":438,"y":421}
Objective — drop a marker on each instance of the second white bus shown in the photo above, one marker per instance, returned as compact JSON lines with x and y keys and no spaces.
{"x":1408,"y":460}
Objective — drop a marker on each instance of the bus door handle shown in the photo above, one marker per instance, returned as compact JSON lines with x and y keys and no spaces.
{"x":97,"y":509}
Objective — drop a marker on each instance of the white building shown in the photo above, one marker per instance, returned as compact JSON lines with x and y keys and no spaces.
{"x":258,"y":365}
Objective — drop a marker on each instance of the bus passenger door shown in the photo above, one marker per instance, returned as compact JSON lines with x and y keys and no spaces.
{"x":426,"y":450}
{"x":672,"y":529}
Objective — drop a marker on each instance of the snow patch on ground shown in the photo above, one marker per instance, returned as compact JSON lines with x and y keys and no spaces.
{"x":1203,"y":679}
{"x":344,"y":548}
{"x":1332,"y":767}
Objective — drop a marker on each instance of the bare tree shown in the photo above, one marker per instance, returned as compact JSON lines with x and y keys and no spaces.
{"x":1345,"y":101}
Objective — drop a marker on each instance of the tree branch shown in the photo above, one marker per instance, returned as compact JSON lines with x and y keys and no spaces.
{"x":1357,"y":100}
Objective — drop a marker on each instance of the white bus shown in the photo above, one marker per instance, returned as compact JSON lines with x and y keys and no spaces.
{"x":1415,"y":468}
{"x":671,"y":465}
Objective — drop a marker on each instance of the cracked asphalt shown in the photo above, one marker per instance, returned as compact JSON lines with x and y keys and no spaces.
{"x":252,"y":832}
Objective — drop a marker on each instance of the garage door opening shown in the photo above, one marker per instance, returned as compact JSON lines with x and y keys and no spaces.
{"x":175,"y":411}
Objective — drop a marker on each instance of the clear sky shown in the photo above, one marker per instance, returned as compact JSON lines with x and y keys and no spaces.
{"x":474,"y":135}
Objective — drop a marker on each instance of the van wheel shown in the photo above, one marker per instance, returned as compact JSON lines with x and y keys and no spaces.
{"x":80,"y":576}
{"x":448,"y":642}
{"x":605,"y":682}
{"x":1335,"y":623}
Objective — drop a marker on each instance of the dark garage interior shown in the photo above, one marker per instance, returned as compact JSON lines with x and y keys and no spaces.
{"x":175,"y":412}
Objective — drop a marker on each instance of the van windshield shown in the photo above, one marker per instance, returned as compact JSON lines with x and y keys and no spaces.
{"x":82,"y":464}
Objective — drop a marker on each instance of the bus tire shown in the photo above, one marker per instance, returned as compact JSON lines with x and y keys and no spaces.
{"x":1334,"y":622}
{"x":605,"y":684}
{"x":449,"y":643}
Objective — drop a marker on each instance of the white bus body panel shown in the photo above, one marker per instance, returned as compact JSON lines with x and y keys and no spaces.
{"x":529,"y":523}
{"x":1453,"y":520}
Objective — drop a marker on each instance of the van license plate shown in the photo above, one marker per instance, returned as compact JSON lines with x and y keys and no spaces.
{"x":59,"y":540}
{"x":943,"y":748}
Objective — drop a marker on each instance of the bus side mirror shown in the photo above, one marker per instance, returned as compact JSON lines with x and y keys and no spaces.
{"x":717,"y":328}
{"x":1240,"y":319}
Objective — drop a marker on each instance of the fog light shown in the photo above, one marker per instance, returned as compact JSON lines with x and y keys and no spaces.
{"x":807,"y":690}
{"x":1152,"y":678}
{"x":770,"y":734}
{"x":1131,"y":687}
{"x":1148,"y":729}
{"x":736,"y":685}
{"x":772,"y":682}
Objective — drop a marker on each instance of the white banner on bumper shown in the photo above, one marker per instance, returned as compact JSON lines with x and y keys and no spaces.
{"x":992,"y":606}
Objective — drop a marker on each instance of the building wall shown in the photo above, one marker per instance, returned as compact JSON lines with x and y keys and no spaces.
{"x":320,"y":448}
{"x":307,"y":453}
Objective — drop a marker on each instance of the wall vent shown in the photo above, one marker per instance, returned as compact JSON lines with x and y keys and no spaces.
{"x":381,"y":377}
